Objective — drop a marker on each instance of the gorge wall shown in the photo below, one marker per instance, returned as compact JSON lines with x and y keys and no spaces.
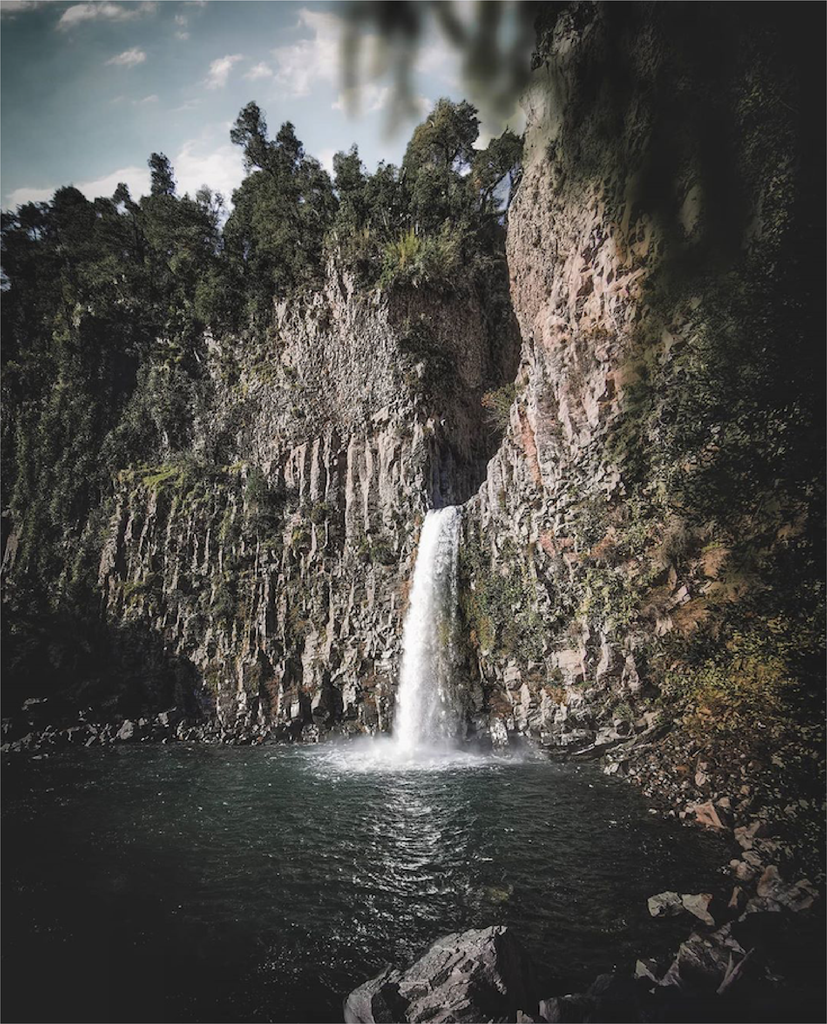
{"x":660,"y":463}
{"x":282,"y":577}
{"x":641,"y":526}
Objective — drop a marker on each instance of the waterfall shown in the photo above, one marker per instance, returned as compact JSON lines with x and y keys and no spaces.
{"x":425,"y":704}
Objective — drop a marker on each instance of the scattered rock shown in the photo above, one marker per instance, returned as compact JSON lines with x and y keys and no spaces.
{"x":705,"y":814}
{"x":797,"y":897}
{"x":647,"y":969}
{"x":743,"y":872}
{"x":734,"y":972}
{"x":769,"y":881}
{"x":665,"y":904}
{"x":698,"y":905}
{"x":744,"y":836}
{"x":126,"y":731}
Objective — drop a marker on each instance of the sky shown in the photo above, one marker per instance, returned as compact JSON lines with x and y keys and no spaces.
{"x":90,"y":89}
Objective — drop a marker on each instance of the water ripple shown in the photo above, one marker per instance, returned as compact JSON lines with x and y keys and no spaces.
{"x":262,"y":884}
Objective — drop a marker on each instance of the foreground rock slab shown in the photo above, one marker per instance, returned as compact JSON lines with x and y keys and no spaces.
{"x":482,"y":975}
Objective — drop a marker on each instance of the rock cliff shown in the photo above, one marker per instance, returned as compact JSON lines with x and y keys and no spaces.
{"x":637,"y":529}
{"x":282,"y":575}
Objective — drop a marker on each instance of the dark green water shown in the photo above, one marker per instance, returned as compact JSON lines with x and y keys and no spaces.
{"x":241,"y":884}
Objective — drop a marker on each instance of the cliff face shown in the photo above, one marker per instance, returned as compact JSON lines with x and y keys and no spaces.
{"x":645,"y":533}
{"x":282,"y":576}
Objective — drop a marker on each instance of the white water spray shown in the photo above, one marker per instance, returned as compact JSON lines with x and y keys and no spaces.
{"x":425,"y":703}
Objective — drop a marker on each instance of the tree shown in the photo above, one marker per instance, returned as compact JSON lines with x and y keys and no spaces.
{"x":288,"y":148}
{"x":282,"y":212}
{"x":250,"y":132}
{"x":163,"y":182}
{"x":436,"y":162}
{"x":445,"y":139}
{"x":490,"y":167}
{"x":386,"y":201}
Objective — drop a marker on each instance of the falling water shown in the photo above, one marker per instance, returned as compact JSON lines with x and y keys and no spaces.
{"x":425,"y":705}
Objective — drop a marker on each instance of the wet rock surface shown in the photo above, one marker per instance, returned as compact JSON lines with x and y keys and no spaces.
{"x":478,"y":975}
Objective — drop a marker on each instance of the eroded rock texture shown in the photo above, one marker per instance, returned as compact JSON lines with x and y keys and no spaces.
{"x":477,"y":975}
{"x":657,"y":481}
{"x":282,"y":576}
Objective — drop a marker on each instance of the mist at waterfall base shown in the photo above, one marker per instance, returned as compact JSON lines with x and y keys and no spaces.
{"x":182,"y":883}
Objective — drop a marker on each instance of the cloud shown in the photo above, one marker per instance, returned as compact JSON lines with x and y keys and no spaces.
{"x":437,"y":58}
{"x":221,"y":168}
{"x":370,"y":98}
{"x":28,"y":195}
{"x":136,"y":178}
{"x":367,"y":98}
{"x":305,"y":63}
{"x":326,"y":160}
{"x":316,"y":59}
{"x":180,"y":19}
{"x":220,"y":71}
{"x":182,"y":35}
{"x":194,"y":165}
{"x":260,"y":70}
{"x":79,"y":13}
{"x":8,"y":8}
{"x":147,"y":99}
{"x":129,"y":58}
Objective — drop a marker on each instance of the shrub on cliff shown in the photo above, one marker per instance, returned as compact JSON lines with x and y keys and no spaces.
{"x":497,"y":405}
{"x":416,"y":260}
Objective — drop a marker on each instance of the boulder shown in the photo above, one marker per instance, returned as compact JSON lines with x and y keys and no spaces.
{"x":665,"y":904}
{"x":797,"y":897}
{"x":698,"y":904}
{"x":647,"y":970}
{"x":476,"y":976}
{"x":701,"y":964}
{"x":609,"y":998}
{"x":706,"y":814}
{"x":378,"y":1001}
{"x":126,"y":731}
{"x":565,"y":1008}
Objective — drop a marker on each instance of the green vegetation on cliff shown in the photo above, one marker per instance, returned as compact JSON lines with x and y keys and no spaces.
{"x":116,"y":311}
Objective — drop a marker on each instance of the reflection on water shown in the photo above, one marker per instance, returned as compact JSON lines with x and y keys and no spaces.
{"x":263,"y":884}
